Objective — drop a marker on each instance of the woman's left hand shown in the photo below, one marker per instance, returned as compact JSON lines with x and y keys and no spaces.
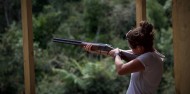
{"x":114,"y":52}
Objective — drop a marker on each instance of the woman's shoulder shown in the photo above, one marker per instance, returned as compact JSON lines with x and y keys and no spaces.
{"x":149,"y":57}
{"x":147,"y":54}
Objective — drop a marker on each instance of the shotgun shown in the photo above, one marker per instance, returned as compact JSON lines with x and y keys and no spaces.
{"x":97,"y":47}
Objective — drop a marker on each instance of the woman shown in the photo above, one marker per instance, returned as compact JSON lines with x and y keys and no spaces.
{"x":147,"y":68}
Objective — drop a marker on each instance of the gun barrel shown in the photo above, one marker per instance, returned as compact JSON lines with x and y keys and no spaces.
{"x":67,"y":41}
{"x":95,"y":46}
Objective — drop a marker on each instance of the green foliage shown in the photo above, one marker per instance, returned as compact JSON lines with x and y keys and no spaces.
{"x":38,"y":5}
{"x":163,"y":40}
{"x":95,"y":20}
{"x":86,"y":78}
{"x":156,"y":14}
{"x":8,"y":13}
{"x":42,"y":30}
{"x":11,"y":69}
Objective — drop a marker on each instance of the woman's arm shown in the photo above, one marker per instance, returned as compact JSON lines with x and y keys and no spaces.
{"x":132,"y":66}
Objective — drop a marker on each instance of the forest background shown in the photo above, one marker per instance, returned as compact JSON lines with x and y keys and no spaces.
{"x":67,"y":69}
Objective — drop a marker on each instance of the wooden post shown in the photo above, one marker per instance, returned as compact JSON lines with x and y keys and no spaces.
{"x":181,"y":41}
{"x":140,"y":11}
{"x":29,"y":76}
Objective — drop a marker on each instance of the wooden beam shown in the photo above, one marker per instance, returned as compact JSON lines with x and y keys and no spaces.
{"x":140,"y":11}
{"x":29,"y":74}
{"x":181,"y":42}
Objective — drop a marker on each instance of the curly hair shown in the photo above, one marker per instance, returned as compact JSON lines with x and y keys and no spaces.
{"x":142,"y":35}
